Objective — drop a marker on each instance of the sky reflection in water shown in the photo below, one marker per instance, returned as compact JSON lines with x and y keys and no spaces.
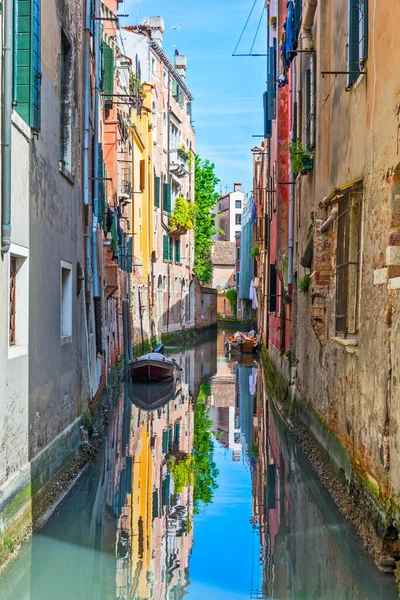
{"x":205,"y":498}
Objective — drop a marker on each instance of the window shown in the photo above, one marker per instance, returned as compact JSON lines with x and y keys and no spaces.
{"x":238,"y":204}
{"x":237,"y":279}
{"x":165,"y":131}
{"x":178,"y":251}
{"x":108,"y":72}
{"x":272,"y":288}
{"x":142,"y":174}
{"x":311,"y":103}
{"x":357,"y":50}
{"x":348,"y":263}
{"x":167,"y":197}
{"x":154,"y":121}
{"x":157,"y":184}
{"x":153,"y":66}
{"x":237,"y":253}
{"x":175,"y":91}
{"x":165,"y":81}
{"x":27,"y":65}
{"x":12,"y":311}
{"x":238,"y":219}
{"x":66,"y":302}
{"x":18,"y":302}
{"x":65,"y":103}
{"x":171,"y":249}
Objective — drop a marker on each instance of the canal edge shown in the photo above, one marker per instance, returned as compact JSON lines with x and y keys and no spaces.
{"x":347,"y":491}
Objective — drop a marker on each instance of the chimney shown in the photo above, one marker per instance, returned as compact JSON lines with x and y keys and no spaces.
{"x":180,"y":65}
{"x":237,"y":187}
{"x":156,"y":24}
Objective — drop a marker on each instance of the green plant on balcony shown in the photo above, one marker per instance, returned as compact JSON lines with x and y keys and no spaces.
{"x":302,"y":159}
{"x":304,"y":283}
{"x":183,"y":215}
{"x":255,"y":251}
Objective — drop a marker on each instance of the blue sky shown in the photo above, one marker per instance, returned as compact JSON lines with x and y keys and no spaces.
{"x":228,"y":91}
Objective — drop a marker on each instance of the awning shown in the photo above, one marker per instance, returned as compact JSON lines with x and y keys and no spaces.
{"x":339,"y":189}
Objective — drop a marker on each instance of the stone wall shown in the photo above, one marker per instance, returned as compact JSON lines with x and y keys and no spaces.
{"x":205,"y":304}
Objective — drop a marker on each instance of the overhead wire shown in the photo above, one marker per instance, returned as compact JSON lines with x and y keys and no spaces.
{"x":258,"y":29}
{"x":245,"y":27}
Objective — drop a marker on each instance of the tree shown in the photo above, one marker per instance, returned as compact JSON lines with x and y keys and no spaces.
{"x":206,"y":199}
{"x":205,"y":470}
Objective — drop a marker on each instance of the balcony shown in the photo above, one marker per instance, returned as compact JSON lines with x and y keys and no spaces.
{"x":125,"y":190}
{"x":178,"y":163}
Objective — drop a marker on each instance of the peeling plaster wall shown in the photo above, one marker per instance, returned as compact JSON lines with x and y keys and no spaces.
{"x":354,"y":389}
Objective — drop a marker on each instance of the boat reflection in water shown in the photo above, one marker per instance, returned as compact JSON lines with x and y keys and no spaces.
{"x":153,"y":395}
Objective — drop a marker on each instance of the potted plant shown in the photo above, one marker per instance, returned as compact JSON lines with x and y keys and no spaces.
{"x":272,"y":22}
{"x":302,"y":159}
{"x":182,"y":217}
{"x":255,"y":251}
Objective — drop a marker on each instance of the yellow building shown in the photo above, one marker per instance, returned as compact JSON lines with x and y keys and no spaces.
{"x":142,"y":185}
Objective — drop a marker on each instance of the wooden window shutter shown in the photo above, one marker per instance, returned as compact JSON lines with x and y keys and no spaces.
{"x":272,"y":288}
{"x":175,"y":91}
{"x":165,"y":247}
{"x":157,"y":183}
{"x":177,"y":251}
{"x":142,"y":174}
{"x":167,"y":197}
{"x":353,"y":41}
{"x":27,"y":66}
{"x":171,"y":249}
{"x":108,"y":70}
{"x":267,"y":120}
{"x":129,"y":258}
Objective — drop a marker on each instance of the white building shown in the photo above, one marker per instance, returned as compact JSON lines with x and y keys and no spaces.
{"x":229,"y":210}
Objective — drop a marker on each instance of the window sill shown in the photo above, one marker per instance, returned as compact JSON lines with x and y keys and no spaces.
{"x":21,"y":125}
{"x":17,"y":351}
{"x":66,"y":340}
{"x":348,"y":344}
{"x":66,"y":173}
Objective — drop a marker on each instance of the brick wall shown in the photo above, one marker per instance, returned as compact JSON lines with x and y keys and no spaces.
{"x":205,"y":304}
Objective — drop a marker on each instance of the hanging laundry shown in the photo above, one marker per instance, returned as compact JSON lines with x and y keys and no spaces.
{"x":109,"y":220}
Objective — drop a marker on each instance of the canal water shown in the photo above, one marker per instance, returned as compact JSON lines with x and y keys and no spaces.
{"x":207,"y":497}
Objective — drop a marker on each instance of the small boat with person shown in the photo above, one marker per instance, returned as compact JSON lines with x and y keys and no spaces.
{"x":153,"y":366}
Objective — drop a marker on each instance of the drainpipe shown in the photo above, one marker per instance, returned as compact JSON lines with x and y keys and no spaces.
{"x":291,"y":187}
{"x":332,"y":217}
{"x":96,"y":292}
{"x":307,"y":23}
{"x":7,"y":90}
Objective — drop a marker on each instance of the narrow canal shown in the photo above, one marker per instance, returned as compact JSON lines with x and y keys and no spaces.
{"x":207,"y":498}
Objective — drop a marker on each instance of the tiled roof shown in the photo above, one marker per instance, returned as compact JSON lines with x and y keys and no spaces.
{"x":223,"y":253}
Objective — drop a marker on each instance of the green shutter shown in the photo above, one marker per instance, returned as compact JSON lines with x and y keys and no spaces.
{"x":181,"y":97}
{"x":165,"y":442}
{"x":28,"y":62}
{"x":177,"y":434}
{"x":171,"y":249}
{"x":157,"y":183}
{"x":108,"y":65}
{"x":175,"y":91}
{"x":165,"y":490}
{"x":155,"y":504}
{"x":353,"y":41}
{"x":129,"y":258}
{"x":167,"y":197}
{"x":177,"y":251}
{"x":102,"y":196}
{"x":170,"y":440}
{"x":189,"y":109}
{"x":165,"y":247}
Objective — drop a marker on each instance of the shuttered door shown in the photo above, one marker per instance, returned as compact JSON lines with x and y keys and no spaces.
{"x":13,"y":275}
